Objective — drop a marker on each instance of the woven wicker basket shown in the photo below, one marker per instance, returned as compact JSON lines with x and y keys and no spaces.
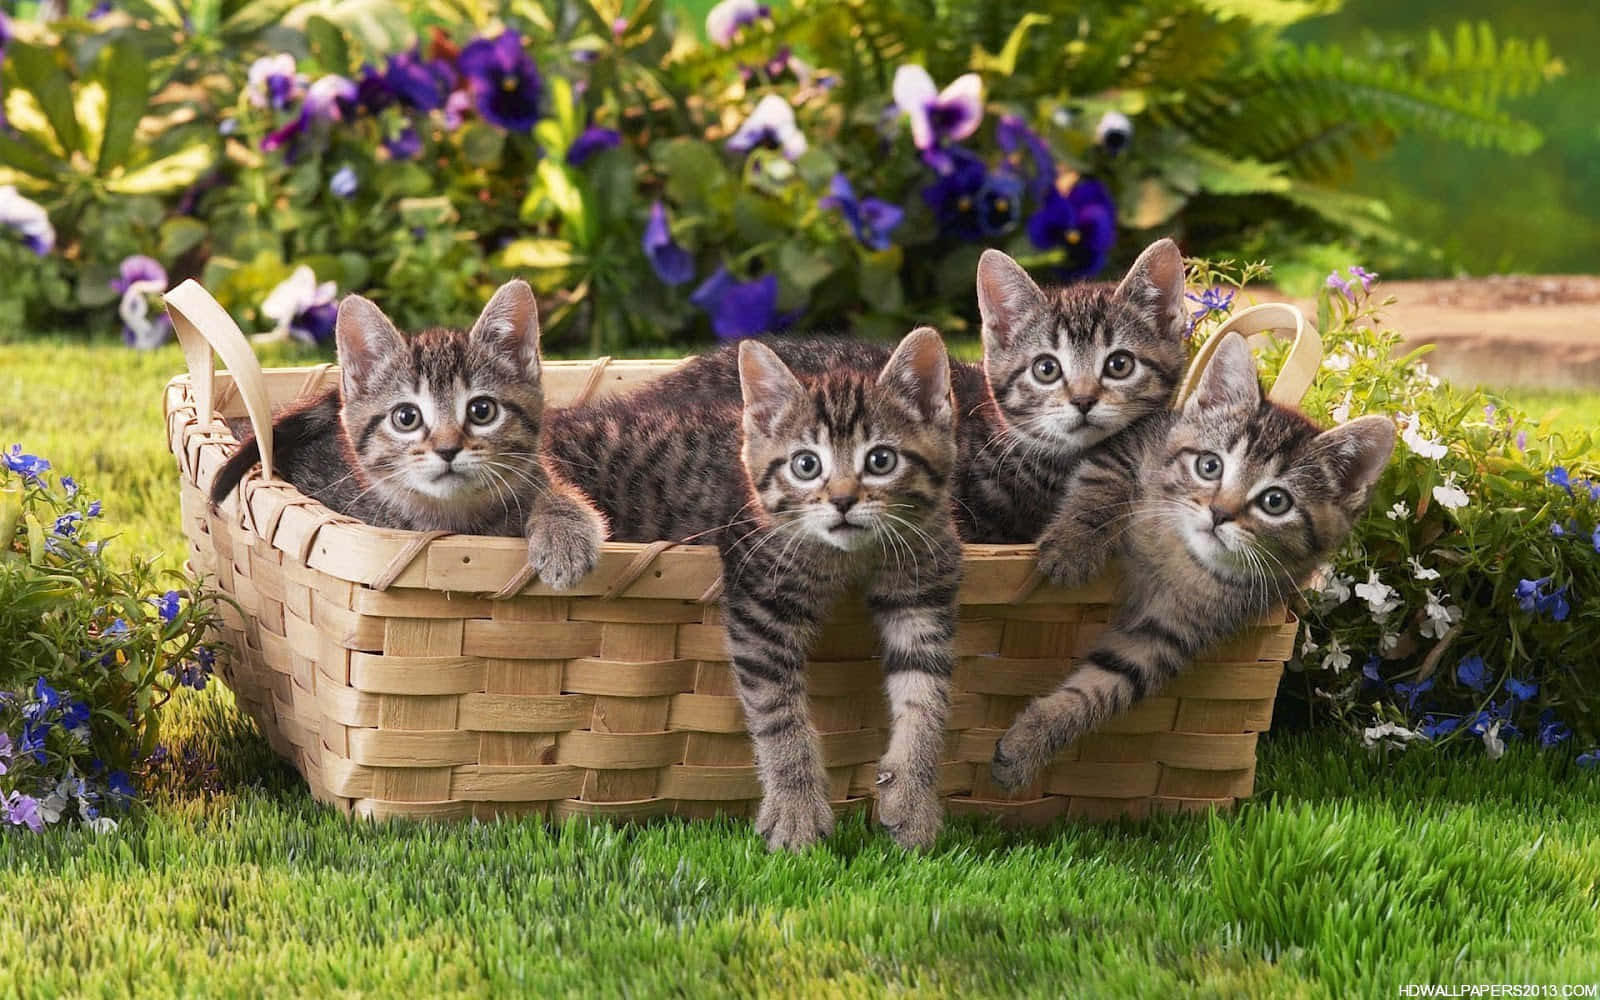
{"x":376,"y":662}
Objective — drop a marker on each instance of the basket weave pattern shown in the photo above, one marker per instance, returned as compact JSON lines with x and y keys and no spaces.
{"x":377,"y":663}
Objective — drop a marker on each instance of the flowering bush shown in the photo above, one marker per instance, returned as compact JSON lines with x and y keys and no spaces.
{"x":830,"y":163}
{"x":1466,"y":605}
{"x":89,"y":654}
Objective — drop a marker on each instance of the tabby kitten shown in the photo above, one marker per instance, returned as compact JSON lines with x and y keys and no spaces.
{"x":1220,"y":509}
{"x":440,"y":432}
{"x":807,"y":487}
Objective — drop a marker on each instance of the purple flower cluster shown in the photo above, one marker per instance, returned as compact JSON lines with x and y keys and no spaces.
{"x":1358,"y":275}
{"x":1532,"y":598}
{"x":30,"y":467}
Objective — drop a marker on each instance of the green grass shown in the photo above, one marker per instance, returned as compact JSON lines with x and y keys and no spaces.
{"x":1351,"y":874}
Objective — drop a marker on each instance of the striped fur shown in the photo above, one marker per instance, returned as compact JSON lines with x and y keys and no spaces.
{"x":1206,"y":556}
{"x":441,"y":431}
{"x":734,"y":474}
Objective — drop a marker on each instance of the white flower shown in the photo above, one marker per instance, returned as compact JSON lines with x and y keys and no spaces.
{"x":294,"y":296}
{"x":53,"y":805}
{"x":1395,"y":736}
{"x":1493,"y":745}
{"x":272,"y":81}
{"x":1388,"y":641}
{"x":727,"y":18}
{"x":1448,"y":495}
{"x":102,"y":825}
{"x":1341,"y":413}
{"x":144,"y":331}
{"x":1338,"y":361}
{"x":28,"y":218}
{"x":772,"y":122}
{"x":1399,"y":512}
{"x":1309,"y":645}
{"x":1337,"y":659}
{"x":1431,"y":448}
{"x":1380,"y":597}
{"x":1420,"y":571}
{"x":1438,"y":617}
{"x":1335,"y":587}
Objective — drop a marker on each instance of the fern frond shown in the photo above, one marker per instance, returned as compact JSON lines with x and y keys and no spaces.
{"x":1481,"y":68}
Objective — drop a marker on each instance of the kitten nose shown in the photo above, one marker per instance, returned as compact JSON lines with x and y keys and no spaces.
{"x":448,"y":454}
{"x":844,"y":504}
{"x":1219,"y":517}
{"x":1083,"y":403}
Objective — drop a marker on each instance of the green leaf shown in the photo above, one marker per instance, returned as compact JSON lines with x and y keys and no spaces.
{"x":255,"y":16}
{"x":563,"y":193}
{"x":127,"y":82}
{"x":22,"y":154}
{"x":168,"y":173}
{"x":327,"y":44}
{"x":179,"y":235}
{"x":816,"y":167}
{"x":483,"y":145}
{"x":880,"y":280}
{"x":1005,"y":64}
{"x":40,"y":72}
{"x":802,"y":268}
{"x":536,"y":254}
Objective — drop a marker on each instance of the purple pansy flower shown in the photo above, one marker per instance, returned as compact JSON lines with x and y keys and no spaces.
{"x":504,"y":81}
{"x":770,"y":124}
{"x":738,"y":308}
{"x":138,"y":280}
{"x":28,"y":219}
{"x":23,"y":810}
{"x":303,"y":309}
{"x":417,"y":83}
{"x":870,"y":219}
{"x":938,"y":116}
{"x":332,"y":98}
{"x":373,"y":92}
{"x":1014,"y":136}
{"x":593,"y":140}
{"x":29,"y":467}
{"x":272,"y":82}
{"x":971,"y":202}
{"x":1083,"y":220}
{"x":1472,"y":672}
{"x":672,"y":263}
{"x":404,"y":145}
{"x":728,"y":18}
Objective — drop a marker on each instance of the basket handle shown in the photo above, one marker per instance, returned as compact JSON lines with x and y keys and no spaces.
{"x":1299,"y":368}
{"x":204,"y":326}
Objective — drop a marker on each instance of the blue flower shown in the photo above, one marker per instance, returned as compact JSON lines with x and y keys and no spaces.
{"x":1369,"y":670}
{"x":1339,"y":285}
{"x":167,"y":605}
{"x":1589,"y":758}
{"x":1595,"y":538}
{"x":954,"y":195}
{"x":75,"y":715}
{"x":120,"y":785}
{"x":1411,"y":692}
{"x":1555,"y":605}
{"x":1552,"y":730}
{"x":728,"y":18}
{"x":93,"y":510}
{"x":405,"y":145}
{"x":1558,"y":476}
{"x":1472,"y":672}
{"x":1214,"y":299}
{"x":1083,"y":220}
{"x":594,"y":140}
{"x":738,"y":309}
{"x":1014,"y":137}
{"x":29,"y":467}
{"x":67,"y":524}
{"x":504,"y":82}
{"x":672,"y":263}
{"x":70,"y":485}
{"x":419,"y":84}
{"x":46,"y":695}
{"x":771,"y":124}
{"x":1522,"y":690}
{"x":344,"y":183}
{"x":871,"y":220}
{"x":1528,"y":592}
{"x":1557,"y":530}
{"x":1432,"y":728}
{"x":33,"y":739}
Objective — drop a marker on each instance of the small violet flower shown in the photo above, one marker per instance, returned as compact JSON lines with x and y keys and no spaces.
{"x":1552,"y":730}
{"x":1559,"y":476}
{"x":417,"y":83}
{"x":29,"y":467}
{"x":1338,"y":284}
{"x":870,"y":219}
{"x":1522,"y":690}
{"x":938,"y":116}
{"x":302,"y":309}
{"x":1216,"y":299}
{"x":1014,"y":137}
{"x":504,"y":82}
{"x":738,"y":309}
{"x":671,"y":262}
{"x":1361,"y":274}
{"x":272,"y":82}
{"x":405,"y":145}
{"x":344,"y":183}
{"x":770,"y":124}
{"x":1473,"y":673}
{"x":167,"y":605}
{"x":139,"y":280}
{"x":592,"y":141}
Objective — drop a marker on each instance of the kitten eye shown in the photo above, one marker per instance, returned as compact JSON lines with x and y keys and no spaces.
{"x":882,"y":460}
{"x":1046,"y":368}
{"x":405,"y":417}
{"x":482,"y":410}
{"x":1275,"y":501}
{"x":1208,"y":466}
{"x":1119,"y":365}
{"x":805,"y":465}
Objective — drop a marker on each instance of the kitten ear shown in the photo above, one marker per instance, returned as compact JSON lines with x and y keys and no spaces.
{"x":1229,"y":379}
{"x":1006,"y":298}
{"x":919,"y":370}
{"x":510,"y":324}
{"x":1359,"y":451}
{"x":1155,"y":285}
{"x":768,"y":386}
{"x":364,"y":337}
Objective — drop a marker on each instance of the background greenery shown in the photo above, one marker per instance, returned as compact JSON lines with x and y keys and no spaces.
{"x":1490,"y":213}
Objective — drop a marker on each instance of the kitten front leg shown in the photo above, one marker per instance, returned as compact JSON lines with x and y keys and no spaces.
{"x":769,"y":632}
{"x":1080,"y":538}
{"x":564,"y":534}
{"x":917,"y":662}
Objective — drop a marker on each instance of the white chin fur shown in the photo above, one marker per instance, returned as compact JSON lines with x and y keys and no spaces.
{"x":1211,"y":550}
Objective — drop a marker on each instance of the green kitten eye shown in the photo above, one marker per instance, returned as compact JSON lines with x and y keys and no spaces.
{"x":1046,"y":368}
{"x":405,"y":417}
{"x":482,"y":411}
{"x":1119,"y":365}
{"x":882,"y":460}
{"x":1208,"y":466}
{"x":1275,"y":501}
{"x":805,"y":465}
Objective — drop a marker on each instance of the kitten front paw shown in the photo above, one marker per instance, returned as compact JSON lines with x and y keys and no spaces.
{"x":909,"y":811}
{"x":564,"y":551}
{"x":1070,"y":557}
{"x":793,"y":821}
{"x":1021,"y":753}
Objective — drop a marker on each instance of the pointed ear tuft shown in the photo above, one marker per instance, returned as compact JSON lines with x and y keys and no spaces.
{"x":1362,"y":449}
{"x":1229,"y":380}
{"x":364,"y":337}
{"x":510,"y":323}
{"x":1007,"y":299}
{"x":1155,"y":284}
{"x":768,"y":386}
{"x":919,"y":371}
